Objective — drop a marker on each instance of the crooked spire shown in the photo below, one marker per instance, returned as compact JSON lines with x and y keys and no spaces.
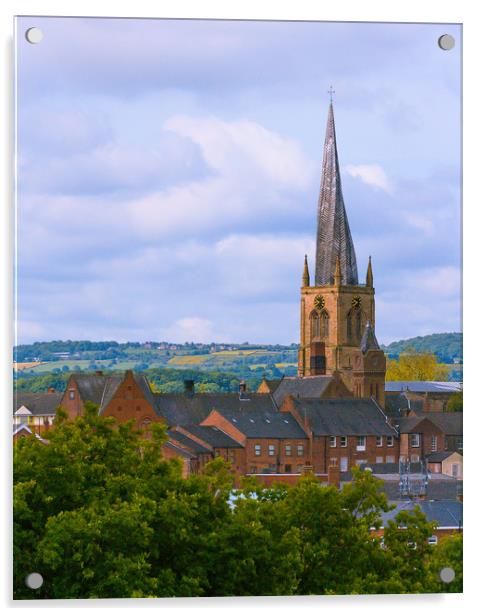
{"x":333,"y":235}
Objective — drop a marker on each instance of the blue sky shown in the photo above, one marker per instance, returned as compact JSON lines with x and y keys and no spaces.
{"x":168,"y":174}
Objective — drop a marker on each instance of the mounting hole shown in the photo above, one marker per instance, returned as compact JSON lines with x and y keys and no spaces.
{"x":446,"y":42}
{"x":34,"y":580}
{"x":34,"y":35}
{"x":447,"y":575}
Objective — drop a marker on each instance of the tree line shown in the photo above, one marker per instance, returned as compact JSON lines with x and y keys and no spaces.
{"x":100,"y":513}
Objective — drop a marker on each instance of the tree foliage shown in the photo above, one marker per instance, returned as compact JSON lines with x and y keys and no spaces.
{"x":455,"y":403}
{"x":100,"y":513}
{"x":413,"y":366}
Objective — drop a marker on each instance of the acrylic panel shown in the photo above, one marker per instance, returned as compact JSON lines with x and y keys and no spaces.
{"x":238,"y":340}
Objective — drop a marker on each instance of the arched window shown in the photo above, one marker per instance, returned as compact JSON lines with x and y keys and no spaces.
{"x":358,"y":328}
{"x":325,"y":321}
{"x":315,"y":324}
{"x":354,"y":321}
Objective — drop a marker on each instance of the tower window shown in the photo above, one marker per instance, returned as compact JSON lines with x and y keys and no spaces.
{"x":325,"y":323}
{"x":315,"y":324}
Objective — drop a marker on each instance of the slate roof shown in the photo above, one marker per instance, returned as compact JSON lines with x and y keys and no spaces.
{"x":301,"y":387}
{"x":448,"y":423}
{"x":275,"y":425}
{"x":272,"y":384}
{"x":212,"y":435}
{"x":180,"y":450}
{"x":183,"y":409}
{"x":440,"y":456}
{"x":187,"y":442}
{"x":447,"y":513}
{"x":91,"y":386}
{"x":447,"y":387}
{"x":344,"y":417}
{"x":37,"y":403}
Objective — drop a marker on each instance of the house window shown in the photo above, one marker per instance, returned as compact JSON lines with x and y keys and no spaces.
{"x":360,"y":462}
{"x":287,"y":468}
{"x":253,"y":470}
{"x":415,"y":458}
{"x":434,"y":443}
{"x":390,"y":459}
{"x":379,"y":460}
{"x":288,"y":450}
{"x":459,"y":443}
{"x":343,"y":441}
{"x":389,"y":441}
{"x":415,"y":440}
{"x":300,"y":450}
{"x":271,"y":450}
{"x":71,"y":394}
{"x":332,"y":441}
{"x":455,"y":470}
{"x":360,"y":443}
{"x":379,"y":441}
{"x":432,"y":540}
{"x":343,"y":464}
{"x":299,"y":468}
{"x":257,"y":450}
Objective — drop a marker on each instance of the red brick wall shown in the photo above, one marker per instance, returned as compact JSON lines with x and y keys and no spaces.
{"x":129,"y":403}
{"x":75,"y":406}
{"x":280,"y":459}
{"x":323,"y":452}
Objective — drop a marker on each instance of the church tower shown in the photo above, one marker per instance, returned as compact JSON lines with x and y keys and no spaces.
{"x":337,"y":312}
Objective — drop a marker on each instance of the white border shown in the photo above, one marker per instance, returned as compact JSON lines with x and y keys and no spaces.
{"x":459,"y":11}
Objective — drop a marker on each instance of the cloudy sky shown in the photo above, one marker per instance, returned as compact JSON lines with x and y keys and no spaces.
{"x":168,"y":174}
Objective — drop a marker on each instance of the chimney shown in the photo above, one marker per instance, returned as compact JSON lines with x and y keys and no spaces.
{"x":334,"y":474}
{"x":51,"y":390}
{"x":189,"y":387}
{"x":242,"y":390}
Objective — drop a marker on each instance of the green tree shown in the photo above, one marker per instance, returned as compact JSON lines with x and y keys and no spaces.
{"x":455,"y":403}
{"x":413,"y":366}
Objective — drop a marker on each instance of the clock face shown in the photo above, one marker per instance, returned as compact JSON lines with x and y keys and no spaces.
{"x":356,"y":301}
{"x":319,"y":302}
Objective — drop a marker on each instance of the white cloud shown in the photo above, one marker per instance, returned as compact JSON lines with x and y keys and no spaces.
{"x":189,"y":329}
{"x":373,"y":175}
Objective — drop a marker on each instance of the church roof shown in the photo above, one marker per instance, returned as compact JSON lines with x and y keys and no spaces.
{"x":369,"y":340}
{"x":333,"y":236}
{"x":301,"y":387}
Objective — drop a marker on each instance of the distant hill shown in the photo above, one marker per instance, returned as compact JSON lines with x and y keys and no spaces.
{"x":447,"y":347}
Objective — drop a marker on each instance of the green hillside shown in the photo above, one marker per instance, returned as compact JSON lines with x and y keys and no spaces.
{"x":447,"y":347}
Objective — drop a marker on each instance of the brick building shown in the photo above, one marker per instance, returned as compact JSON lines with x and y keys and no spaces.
{"x":427,"y":433}
{"x":344,"y":433}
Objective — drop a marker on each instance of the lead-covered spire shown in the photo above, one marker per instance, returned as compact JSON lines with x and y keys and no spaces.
{"x":333,"y":235}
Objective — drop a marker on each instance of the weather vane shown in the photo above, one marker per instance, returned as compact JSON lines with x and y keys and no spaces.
{"x":331,"y":91}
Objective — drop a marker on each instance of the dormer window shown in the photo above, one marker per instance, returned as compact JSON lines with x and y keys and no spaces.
{"x":71,"y":394}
